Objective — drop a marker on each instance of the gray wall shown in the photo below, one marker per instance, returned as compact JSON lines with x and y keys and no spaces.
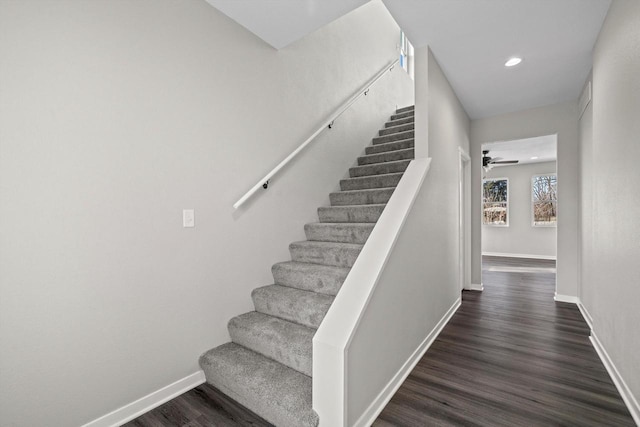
{"x":610,"y":151}
{"x":115,"y":116}
{"x":560,"y":119}
{"x":520,"y":237}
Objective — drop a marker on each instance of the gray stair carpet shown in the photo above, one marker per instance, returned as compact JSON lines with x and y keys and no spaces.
{"x":267,"y":366}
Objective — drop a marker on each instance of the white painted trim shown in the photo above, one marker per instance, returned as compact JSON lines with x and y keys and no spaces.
{"x":134,"y":409}
{"x":475,"y":287}
{"x":378,"y":404}
{"x":624,"y":390}
{"x":566,"y":298}
{"x":334,"y":336}
{"x":585,"y":314}
{"x":464,"y":218}
{"x":508,"y":255}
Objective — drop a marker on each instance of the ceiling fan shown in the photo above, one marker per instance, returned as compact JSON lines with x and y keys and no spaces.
{"x":489,"y":162}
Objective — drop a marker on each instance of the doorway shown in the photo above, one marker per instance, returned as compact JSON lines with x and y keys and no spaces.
{"x":519,"y":199}
{"x":464,"y":218}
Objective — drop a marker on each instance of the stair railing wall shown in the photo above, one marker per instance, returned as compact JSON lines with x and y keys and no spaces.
{"x":376,"y":317}
{"x":327,"y":124}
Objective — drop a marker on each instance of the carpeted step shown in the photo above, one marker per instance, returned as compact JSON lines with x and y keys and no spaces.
{"x":390,"y":146}
{"x":374,"y":181}
{"x":405,"y":109}
{"x":402,"y":115}
{"x":357,"y":213}
{"x":379,"y":168}
{"x":361,"y":197}
{"x":392,"y":123}
{"x":326,"y":253}
{"x":302,"y":307}
{"x":340,"y":232}
{"x":387,"y":156}
{"x":277,"y":393}
{"x":395,"y":129}
{"x":393,"y":137}
{"x":283,"y":341}
{"x":324,"y":279}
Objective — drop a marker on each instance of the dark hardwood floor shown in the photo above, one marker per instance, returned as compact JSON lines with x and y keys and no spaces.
{"x":203,"y":406}
{"x":510,"y":356}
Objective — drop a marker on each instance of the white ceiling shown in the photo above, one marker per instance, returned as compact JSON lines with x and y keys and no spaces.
{"x":471,"y":39}
{"x":542,"y":147}
{"x":281,"y":22}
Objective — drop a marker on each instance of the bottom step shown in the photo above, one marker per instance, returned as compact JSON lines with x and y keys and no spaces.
{"x":277,"y":393}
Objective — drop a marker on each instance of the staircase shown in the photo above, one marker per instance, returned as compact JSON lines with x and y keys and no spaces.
{"x":267,"y":365}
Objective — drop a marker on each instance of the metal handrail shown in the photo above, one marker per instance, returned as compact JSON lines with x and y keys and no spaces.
{"x":264,"y":182}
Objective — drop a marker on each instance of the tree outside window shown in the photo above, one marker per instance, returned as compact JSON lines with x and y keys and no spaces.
{"x":495,"y":201}
{"x":544,"y":200}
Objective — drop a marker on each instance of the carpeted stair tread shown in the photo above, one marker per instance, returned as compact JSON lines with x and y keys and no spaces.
{"x":325,"y":253}
{"x":283,"y":341}
{"x":405,"y":109}
{"x":302,"y":307}
{"x":392,"y":123}
{"x":393,"y":137}
{"x":341,"y":232}
{"x":387,"y":156}
{"x":390,"y":146}
{"x":324,"y":279}
{"x":277,"y":393}
{"x":379,"y":168}
{"x":374,"y":181}
{"x":354,"y":213}
{"x":395,"y":129}
{"x":268,"y":365}
{"x":361,"y":197}
{"x":402,"y":115}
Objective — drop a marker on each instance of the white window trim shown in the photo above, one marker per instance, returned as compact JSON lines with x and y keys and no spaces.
{"x":533,"y":218}
{"x":506,"y":224}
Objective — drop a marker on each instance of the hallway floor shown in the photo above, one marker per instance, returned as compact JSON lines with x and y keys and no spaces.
{"x":510,"y":356}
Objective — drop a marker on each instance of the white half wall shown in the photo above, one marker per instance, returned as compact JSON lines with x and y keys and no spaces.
{"x":610,"y":232}
{"x":520,"y":237}
{"x":560,"y":119}
{"x":114,"y":117}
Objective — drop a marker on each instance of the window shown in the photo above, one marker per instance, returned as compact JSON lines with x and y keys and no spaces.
{"x":406,"y":54}
{"x":495,"y":201}
{"x":544,"y":198}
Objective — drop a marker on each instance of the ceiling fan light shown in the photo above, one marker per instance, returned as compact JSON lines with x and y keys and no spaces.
{"x":511,"y":62}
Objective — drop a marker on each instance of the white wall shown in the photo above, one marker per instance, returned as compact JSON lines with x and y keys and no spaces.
{"x":428,"y":242}
{"x":610,"y":272}
{"x":560,"y":119}
{"x":520,"y":238}
{"x":115,"y":116}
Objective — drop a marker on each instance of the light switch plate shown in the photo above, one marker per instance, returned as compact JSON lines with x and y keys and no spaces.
{"x":188,"y":218}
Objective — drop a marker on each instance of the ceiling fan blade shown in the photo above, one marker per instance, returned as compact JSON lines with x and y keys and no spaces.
{"x":505,"y":162}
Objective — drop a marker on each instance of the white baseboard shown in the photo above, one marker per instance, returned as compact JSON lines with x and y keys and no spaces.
{"x":585,"y":314}
{"x":378,"y":404}
{"x":566,"y":298}
{"x":623,"y":389}
{"x":508,"y":255}
{"x":135,"y":409}
{"x":474,"y":287}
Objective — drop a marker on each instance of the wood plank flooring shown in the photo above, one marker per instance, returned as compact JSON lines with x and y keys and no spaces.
{"x":510,"y":356}
{"x":203,"y":406}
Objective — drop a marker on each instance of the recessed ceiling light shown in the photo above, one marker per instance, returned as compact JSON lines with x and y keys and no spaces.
{"x":513,"y":61}
{"x":534,"y":158}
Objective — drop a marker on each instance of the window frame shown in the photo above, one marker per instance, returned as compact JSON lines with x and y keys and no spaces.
{"x":533,"y":201}
{"x":506,"y":224}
